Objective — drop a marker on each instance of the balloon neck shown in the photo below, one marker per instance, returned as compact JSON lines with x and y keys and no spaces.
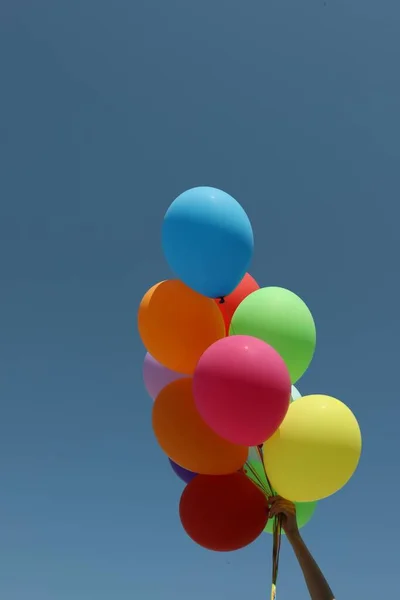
{"x":222,"y":300}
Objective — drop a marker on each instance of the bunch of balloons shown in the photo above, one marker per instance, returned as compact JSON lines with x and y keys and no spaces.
{"x":223,"y":357}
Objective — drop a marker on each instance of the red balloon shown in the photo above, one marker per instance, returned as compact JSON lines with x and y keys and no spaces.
{"x":223,"y":512}
{"x":247,"y":286}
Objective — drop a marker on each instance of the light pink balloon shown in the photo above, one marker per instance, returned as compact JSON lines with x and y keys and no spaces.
{"x":241,"y":388}
{"x":156,"y":376}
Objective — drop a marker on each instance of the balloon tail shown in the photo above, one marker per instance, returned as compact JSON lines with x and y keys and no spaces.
{"x":222,"y":299}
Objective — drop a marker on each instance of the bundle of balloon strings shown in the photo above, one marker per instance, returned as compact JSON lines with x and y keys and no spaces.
{"x":266,"y":488}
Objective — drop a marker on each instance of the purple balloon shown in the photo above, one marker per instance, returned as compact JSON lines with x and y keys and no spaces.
{"x":184,"y":474}
{"x":156,"y":376}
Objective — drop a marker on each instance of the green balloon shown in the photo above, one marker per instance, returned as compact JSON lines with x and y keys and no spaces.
{"x":282,"y":320}
{"x":304,"y":510}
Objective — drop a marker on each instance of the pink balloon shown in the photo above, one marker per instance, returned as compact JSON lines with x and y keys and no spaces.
{"x":156,"y":376}
{"x":241,"y":388}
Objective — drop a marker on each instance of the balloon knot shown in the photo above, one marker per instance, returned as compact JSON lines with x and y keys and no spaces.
{"x":222,"y":300}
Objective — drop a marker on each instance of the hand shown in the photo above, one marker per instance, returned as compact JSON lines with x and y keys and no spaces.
{"x":287,"y":510}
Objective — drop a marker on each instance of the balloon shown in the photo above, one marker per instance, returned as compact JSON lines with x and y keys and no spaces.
{"x":182,"y":473}
{"x":223,"y":513}
{"x":295,"y":394}
{"x":232,"y":301}
{"x":315,"y":451}
{"x":185,"y":437}
{"x":177,"y":325}
{"x":281,"y":319}
{"x":241,"y":388}
{"x":254,"y":455}
{"x":304,"y":510}
{"x":208,"y":241}
{"x":156,"y":376}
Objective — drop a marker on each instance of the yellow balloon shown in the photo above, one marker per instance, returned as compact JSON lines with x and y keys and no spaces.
{"x":315,"y":451}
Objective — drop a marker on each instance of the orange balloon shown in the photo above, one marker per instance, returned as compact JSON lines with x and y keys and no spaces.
{"x":247,"y":286}
{"x":177,"y":325}
{"x":187,"y":439}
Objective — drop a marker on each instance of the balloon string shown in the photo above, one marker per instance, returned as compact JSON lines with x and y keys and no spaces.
{"x":269,"y":486}
{"x":259,"y":483}
{"x":277,"y":535}
{"x":276,"y":548}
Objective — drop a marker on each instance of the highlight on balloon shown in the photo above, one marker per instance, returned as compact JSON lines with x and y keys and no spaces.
{"x":223,"y":355}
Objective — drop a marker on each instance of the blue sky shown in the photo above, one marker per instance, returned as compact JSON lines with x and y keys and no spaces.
{"x":108,"y":111}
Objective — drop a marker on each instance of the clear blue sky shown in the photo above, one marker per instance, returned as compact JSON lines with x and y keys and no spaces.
{"x":108,"y":111}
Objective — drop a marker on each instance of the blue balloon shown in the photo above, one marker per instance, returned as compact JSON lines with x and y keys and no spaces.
{"x":208,"y":241}
{"x":295,"y":395}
